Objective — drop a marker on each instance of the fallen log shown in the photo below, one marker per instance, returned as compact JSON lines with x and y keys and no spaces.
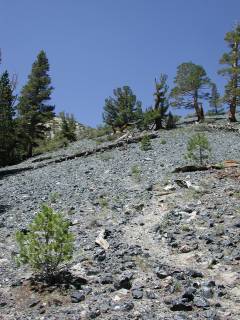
{"x":218,"y":166}
{"x":191,"y":168}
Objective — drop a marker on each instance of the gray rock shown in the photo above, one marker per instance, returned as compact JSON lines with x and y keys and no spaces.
{"x":77,"y":296}
{"x":124,"y":281}
{"x":137,"y":293}
{"x":201,"y":302}
{"x":189,"y":294}
{"x":161,"y":273}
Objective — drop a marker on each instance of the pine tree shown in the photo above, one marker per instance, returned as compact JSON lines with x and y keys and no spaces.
{"x":191,"y":83}
{"x":198,"y":148}
{"x":123,"y":109}
{"x":68,"y":127}
{"x":161,"y":101}
{"x":155,"y":116}
{"x":34,"y":111}
{"x":215,"y":100}
{"x":48,"y":244}
{"x":7,"y":122}
{"x":232,"y":71}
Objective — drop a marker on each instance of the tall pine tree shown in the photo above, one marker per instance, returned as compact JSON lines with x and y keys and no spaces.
{"x":232,"y":71}
{"x":191,"y":83}
{"x":123,"y":109}
{"x":33,"y":108}
{"x":7,"y":122}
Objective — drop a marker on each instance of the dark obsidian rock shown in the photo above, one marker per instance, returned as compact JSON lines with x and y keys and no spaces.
{"x":189,"y":294}
{"x":195,"y":274}
{"x":124,"y":281}
{"x":180,"y":305}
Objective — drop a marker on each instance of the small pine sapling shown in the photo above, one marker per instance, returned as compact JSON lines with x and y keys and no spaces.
{"x":136,"y":173}
{"x":146,"y":143}
{"x":198,"y":148}
{"x":47,"y":245}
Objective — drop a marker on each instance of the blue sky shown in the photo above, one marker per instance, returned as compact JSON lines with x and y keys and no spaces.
{"x":94,"y":46}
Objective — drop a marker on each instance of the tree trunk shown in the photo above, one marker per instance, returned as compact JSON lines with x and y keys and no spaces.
{"x":232,"y":113}
{"x":30,"y":151}
{"x":199,"y":110}
{"x":158,"y":123}
{"x":233,"y":104}
{"x":201,"y":113}
{"x":200,"y":155}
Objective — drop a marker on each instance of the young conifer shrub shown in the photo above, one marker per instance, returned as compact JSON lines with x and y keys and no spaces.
{"x":136,"y":173}
{"x":198,"y":148}
{"x":146,"y":143}
{"x":47,"y":245}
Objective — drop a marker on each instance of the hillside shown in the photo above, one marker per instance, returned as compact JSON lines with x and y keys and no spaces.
{"x":173,"y":237}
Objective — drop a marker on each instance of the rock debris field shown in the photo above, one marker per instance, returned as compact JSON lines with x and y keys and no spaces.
{"x":171,"y":246}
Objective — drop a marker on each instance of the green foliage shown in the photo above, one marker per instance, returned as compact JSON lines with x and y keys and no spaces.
{"x":177,"y":286}
{"x":48,"y":144}
{"x":156,"y":116}
{"x":172,"y":120}
{"x":146,"y":143}
{"x":123,"y":109}
{"x":33,"y":109}
{"x":191,"y":83}
{"x":198,"y":148}
{"x":103,"y":202}
{"x":54,"y":196}
{"x":7,"y":122}
{"x":161,"y":101}
{"x":219,"y":165}
{"x":232,"y":71}
{"x":148,"y":120}
{"x":100,"y":131}
{"x":215,"y":101}
{"x":68,"y":127}
{"x":163,"y":141}
{"x":47,"y":245}
{"x":136,"y":173}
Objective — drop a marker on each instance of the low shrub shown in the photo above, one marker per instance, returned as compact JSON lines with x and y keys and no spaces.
{"x":146,"y":143}
{"x":48,"y":144}
{"x":136,"y":173}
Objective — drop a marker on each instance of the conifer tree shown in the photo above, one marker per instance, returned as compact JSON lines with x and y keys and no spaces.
{"x":7,"y":122}
{"x":155,"y":116}
{"x":68,"y":127}
{"x":48,"y":244}
{"x":123,"y":109}
{"x":161,"y":101}
{"x":215,"y":100}
{"x":191,"y":83}
{"x":198,"y":148}
{"x":232,"y":71}
{"x":33,"y":108}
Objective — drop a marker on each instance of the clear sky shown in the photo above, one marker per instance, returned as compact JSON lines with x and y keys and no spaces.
{"x":94,"y":46}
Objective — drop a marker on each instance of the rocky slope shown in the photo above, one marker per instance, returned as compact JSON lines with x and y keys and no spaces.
{"x":173,"y":237}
